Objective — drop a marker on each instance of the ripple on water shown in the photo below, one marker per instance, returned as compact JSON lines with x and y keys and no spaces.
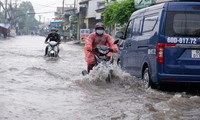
{"x":2,"y":71}
{"x":43,"y":72}
{"x":13,"y":69}
{"x":33,"y":70}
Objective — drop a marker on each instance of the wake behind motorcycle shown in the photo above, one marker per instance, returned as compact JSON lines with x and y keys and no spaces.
{"x":52,"y":49}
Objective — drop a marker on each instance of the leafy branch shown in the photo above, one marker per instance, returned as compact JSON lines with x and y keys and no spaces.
{"x":118,"y":12}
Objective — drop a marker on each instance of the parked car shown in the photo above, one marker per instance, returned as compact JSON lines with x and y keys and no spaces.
{"x":162,"y":44}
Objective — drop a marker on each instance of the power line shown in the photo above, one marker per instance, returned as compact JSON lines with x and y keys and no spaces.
{"x":43,"y":12}
{"x":49,"y":5}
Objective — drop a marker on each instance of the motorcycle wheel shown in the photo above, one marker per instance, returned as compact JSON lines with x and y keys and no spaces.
{"x":109,"y":77}
{"x":84,"y":72}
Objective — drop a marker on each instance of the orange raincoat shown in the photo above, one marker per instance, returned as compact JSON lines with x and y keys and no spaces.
{"x":93,"y":40}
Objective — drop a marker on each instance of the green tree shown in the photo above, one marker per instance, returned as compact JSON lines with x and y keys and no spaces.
{"x":25,"y":16}
{"x":118,"y":12}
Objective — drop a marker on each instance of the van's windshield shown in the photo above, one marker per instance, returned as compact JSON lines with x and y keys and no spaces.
{"x":183,"y":24}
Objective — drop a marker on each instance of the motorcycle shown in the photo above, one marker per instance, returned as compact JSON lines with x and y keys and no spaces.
{"x":52,"y":49}
{"x":102,"y":60}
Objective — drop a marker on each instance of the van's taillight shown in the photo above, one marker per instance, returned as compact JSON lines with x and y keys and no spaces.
{"x":160,"y":51}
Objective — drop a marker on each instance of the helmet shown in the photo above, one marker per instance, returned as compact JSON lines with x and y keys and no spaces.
{"x":53,"y":29}
{"x":99,"y":25}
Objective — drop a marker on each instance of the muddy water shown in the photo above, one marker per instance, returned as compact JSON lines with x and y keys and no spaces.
{"x":34,"y":87}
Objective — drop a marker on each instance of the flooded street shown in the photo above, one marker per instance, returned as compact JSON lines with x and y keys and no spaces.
{"x":34,"y":87}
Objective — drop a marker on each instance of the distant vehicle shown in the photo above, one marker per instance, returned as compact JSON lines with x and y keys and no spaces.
{"x":162,"y":44}
{"x":58,"y":26}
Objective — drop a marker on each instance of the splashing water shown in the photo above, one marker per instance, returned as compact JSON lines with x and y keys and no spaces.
{"x":98,"y":76}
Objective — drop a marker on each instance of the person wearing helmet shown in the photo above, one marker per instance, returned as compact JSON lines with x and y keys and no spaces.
{"x":53,"y":36}
{"x":98,"y":37}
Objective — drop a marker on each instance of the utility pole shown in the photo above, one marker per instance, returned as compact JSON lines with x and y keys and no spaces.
{"x":63,"y":6}
{"x":6,"y":2}
{"x":44,"y":20}
{"x":77,"y":19}
{"x":40,"y":18}
{"x":74,"y":7}
{"x":0,"y":5}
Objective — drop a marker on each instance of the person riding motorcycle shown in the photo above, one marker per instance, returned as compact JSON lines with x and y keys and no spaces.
{"x":53,"y":36}
{"x":98,"y":37}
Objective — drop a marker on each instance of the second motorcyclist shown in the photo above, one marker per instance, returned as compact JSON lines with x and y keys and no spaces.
{"x":99,"y":37}
{"x":53,"y":36}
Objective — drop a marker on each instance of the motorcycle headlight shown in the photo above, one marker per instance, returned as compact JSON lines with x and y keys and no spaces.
{"x":51,"y":51}
{"x":53,"y":43}
{"x":103,"y":51}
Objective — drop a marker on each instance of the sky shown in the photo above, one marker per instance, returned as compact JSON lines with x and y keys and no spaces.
{"x":42,"y":7}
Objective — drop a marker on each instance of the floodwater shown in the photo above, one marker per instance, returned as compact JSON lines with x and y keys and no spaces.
{"x":34,"y":87}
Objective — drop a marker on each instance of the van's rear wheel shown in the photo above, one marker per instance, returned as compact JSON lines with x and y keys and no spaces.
{"x":147,"y":79}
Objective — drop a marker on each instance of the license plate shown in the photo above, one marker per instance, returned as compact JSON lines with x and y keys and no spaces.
{"x":195,"y":53}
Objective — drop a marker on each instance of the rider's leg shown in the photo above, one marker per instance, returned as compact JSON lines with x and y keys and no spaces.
{"x":58,"y":48}
{"x":89,"y":67}
{"x":46,"y":50}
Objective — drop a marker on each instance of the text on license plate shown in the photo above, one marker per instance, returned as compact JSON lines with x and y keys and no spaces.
{"x":195,"y":53}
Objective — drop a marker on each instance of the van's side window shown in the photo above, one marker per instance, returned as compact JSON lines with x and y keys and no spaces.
{"x":129,"y":29}
{"x":149,"y":23}
{"x":137,"y":26}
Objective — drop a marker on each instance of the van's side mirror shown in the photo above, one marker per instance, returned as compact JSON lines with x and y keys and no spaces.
{"x":119,"y":35}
